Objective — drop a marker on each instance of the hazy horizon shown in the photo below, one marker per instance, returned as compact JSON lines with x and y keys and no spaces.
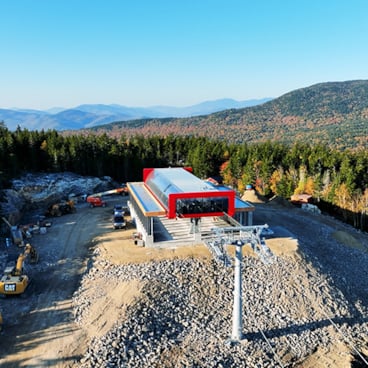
{"x":175,"y":53}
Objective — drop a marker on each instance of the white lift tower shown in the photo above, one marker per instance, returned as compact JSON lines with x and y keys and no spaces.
{"x":239,"y":237}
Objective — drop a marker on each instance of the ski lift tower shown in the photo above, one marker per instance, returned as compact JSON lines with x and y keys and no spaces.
{"x":239,"y":237}
{"x":236,"y":334}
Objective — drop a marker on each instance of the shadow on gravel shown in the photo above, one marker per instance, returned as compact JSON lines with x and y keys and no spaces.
{"x":33,"y":336}
{"x":358,"y":361}
{"x":298,"y":329}
{"x":66,"y":362}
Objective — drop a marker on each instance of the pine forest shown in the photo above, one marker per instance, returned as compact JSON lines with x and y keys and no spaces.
{"x":337,"y":181}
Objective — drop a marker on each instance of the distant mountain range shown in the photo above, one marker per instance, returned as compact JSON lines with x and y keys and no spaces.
{"x":87,"y":116}
{"x":332,"y":113}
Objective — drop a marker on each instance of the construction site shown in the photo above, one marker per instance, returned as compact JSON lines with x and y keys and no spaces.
{"x":160,"y":291}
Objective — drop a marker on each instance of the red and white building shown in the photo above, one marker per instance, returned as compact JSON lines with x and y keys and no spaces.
{"x":176,"y":194}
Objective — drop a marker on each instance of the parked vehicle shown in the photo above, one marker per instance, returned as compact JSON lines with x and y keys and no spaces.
{"x":118,"y":209}
{"x":119,"y":221}
{"x":123,"y":190}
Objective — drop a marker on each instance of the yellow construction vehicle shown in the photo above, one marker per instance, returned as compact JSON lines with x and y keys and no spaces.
{"x":62,"y":208}
{"x":15,"y":281}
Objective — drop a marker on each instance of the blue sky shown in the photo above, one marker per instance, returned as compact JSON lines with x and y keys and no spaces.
{"x":175,"y":52}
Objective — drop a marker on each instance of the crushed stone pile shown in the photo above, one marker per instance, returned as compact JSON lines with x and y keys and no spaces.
{"x":183,"y":315}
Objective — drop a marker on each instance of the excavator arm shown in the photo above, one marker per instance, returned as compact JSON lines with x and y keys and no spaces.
{"x":15,"y":281}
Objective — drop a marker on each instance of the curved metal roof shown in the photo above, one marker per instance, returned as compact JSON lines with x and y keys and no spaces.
{"x":176,"y":180}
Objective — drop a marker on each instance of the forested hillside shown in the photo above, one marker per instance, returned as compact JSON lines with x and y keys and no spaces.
{"x":338,"y":181}
{"x":335,"y":114}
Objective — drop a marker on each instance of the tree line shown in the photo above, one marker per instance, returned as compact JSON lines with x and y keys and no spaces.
{"x":338,"y":181}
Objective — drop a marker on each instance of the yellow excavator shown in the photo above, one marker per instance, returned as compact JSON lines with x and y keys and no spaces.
{"x":15,"y":281}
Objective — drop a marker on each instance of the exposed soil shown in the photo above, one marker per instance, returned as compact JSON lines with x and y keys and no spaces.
{"x":40,"y":329}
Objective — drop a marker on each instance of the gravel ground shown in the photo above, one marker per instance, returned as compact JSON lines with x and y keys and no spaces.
{"x":303,"y":304}
{"x":92,"y":307}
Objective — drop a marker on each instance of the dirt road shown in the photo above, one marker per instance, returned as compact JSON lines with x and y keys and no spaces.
{"x":40,"y":330}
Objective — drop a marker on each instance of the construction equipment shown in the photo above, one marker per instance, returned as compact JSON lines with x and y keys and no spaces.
{"x":62,"y":208}
{"x":16,"y":233}
{"x":95,"y":199}
{"x":15,"y":281}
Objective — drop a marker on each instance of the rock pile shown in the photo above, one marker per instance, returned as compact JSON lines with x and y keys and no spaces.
{"x":38,"y":191}
{"x":183,"y":316}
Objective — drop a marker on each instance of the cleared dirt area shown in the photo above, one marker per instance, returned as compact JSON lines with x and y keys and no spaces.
{"x":40,"y":329}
